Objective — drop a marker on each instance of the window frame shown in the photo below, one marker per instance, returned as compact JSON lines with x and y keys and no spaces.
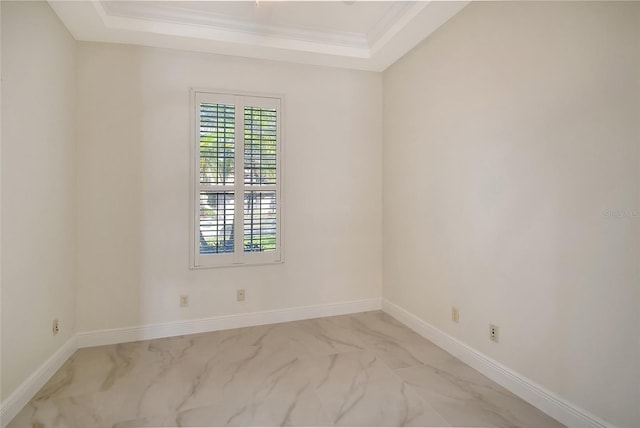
{"x":240,"y":100}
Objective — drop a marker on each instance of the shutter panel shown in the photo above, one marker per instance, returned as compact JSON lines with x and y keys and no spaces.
{"x":217,"y":157}
{"x":217,"y":214}
{"x":217,"y":144}
{"x":260,"y":144}
{"x":260,"y":221}
{"x":260,"y":169}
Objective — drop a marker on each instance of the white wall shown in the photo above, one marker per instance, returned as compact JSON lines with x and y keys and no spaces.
{"x":507,"y":136}
{"x":133,"y":174}
{"x":38,"y":188}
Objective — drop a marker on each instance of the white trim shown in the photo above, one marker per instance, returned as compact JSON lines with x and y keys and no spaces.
{"x":393,"y":22}
{"x":550,"y":403}
{"x":176,"y":26}
{"x":562,"y":410}
{"x":224,"y":322}
{"x":238,"y":257}
{"x":25,"y":392}
{"x":179,"y":20}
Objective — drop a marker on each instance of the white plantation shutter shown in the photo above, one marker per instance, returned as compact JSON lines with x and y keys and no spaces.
{"x":236,"y":216}
{"x":260,"y":178}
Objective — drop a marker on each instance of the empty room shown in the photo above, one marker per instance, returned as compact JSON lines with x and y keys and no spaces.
{"x":320,"y":213}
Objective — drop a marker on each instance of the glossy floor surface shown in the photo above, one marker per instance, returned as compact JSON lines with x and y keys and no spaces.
{"x":352,"y":370}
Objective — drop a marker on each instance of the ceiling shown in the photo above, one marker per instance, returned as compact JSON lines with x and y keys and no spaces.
{"x":366,"y":35}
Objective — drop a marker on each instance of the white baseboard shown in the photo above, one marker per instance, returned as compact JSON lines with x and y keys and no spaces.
{"x":25,"y":392}
{"x":225,"y":322}
{"x":560,"y":409}
{"x":545,"y":400}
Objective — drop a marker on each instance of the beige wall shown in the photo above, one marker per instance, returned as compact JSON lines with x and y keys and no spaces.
{"x":507,"y":136}
{"x":38,"y":188}
{"x":133,"y":158}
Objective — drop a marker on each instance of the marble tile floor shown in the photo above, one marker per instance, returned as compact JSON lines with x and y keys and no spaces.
{"x":364,"y":369}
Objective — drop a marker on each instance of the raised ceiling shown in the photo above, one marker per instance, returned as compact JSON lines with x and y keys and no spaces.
{"x":367,"y":35}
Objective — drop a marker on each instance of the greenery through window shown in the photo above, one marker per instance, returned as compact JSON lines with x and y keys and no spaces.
{"x":237,"y":213}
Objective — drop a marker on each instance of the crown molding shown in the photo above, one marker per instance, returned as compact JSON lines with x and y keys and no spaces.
{"x":396,"y":18}
{"x":175,"y":26}
{"x":181,"y":21}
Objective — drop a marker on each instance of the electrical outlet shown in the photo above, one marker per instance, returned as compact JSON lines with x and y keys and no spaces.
{"x":184,"y":300}
{"x":493,"y":332}
{"x":241,"y":295}
{"x":455,"y":314}
{"x":55,"y":328}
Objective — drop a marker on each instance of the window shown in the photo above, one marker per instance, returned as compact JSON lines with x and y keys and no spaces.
{"x":236,"y":176}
